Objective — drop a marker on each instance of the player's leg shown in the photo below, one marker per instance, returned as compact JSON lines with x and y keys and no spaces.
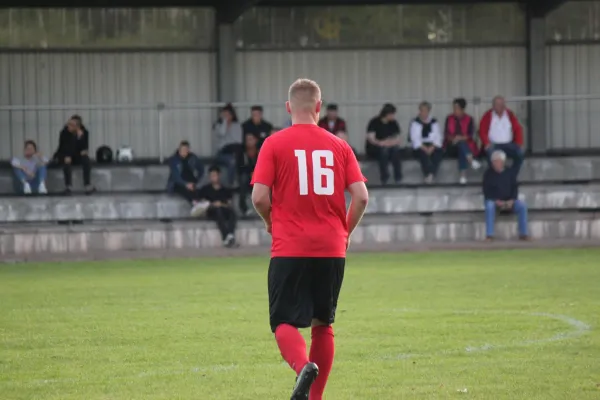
{"x":328,"y":277}
{"x":290,"y":308}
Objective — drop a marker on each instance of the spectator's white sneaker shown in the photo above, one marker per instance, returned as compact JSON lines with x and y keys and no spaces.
{"x":429,"y":179}
{"x":230,"y":241}
{"x":463,"y":180}
{"x":42,"y":188}
{"x":199,"y":209}
{"x":26,"y":188}
{"x":475,"y":164}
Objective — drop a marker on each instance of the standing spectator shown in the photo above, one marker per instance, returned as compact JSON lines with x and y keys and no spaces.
{"x":500,"y":130}
{"x":257,"y":126}
{"x":383,"y":143}
{"x":72,"y":150}
{"x":246,"y":164}
{"x":220,"y":206}
{"x":427,"y":141}
{"x":30,"y":170}
{"x":501,"y":192}
{"x":185,"y":173}
{"x":228,"y":133}
{"x":332,"y":122}
{"x":460,"y":139}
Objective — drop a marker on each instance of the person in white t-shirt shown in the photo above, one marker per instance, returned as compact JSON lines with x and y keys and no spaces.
{"x":30,"y":170}
{"x":500,"y":129}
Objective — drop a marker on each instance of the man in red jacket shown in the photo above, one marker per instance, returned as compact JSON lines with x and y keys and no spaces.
{"x":500,"y":129}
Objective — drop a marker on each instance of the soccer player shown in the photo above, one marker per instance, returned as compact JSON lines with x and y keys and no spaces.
{"x":305,"y":170}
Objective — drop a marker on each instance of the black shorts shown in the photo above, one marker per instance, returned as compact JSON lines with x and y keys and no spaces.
{"x":303,"y":288}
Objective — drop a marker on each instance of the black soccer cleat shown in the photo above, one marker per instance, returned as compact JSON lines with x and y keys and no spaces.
{"x":304,"y":381}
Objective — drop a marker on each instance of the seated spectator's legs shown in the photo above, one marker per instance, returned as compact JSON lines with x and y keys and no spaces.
{"x":68,"y":173}
{"x":490,"y":218}
{"x":40,"y":177}
{"x":383,"y":157}
{"x":425,"y":160}
{"x":520,"y":208}
{"x":245,"y":190}
{"x":464,"y":155}
{"x":436,"y":159}
{"x":396,"y":161}
{"x":228,"y":161}
{"x":189,"y":195}
{"x":86,"y":166}
{"x":21,"y":179}
{"x":225,"y":219}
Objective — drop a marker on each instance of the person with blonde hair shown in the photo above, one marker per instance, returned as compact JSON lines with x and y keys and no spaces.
{"x":299,"y":183}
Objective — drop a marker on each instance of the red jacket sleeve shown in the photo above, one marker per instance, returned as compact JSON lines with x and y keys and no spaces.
{"x":517,"y":128}
{"x":484,"y":128}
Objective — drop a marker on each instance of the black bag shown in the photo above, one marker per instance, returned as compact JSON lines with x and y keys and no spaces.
{"x":104,"y":155}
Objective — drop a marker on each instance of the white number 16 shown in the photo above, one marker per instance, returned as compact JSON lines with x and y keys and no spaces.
{"x":318,"y":172}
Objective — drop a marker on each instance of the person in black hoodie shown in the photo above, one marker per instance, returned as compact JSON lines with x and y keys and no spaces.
{"x":73,"y":148}
{"x":246,"y":163}
{"x":185,"y":174}
{"x":501,"y":192}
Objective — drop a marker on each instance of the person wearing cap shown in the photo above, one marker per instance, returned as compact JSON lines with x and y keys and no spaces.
{"x":257,"y":126}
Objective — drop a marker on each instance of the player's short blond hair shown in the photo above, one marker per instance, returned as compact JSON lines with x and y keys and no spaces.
{"x":304,"y":93}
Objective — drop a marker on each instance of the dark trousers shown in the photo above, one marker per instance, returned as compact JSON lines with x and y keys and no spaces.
{"x":245,"y":190}
{"x":189,"y":195}
{"x":86,"y":165}
{"x":225,"y":219}
{"x":386,"y":156}
{"x":430,"y":163}
{"x":512,"y":151}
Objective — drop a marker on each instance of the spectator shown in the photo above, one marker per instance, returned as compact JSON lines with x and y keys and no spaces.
{"x":30,"y":170}
{"x":383,"y":143}
{"x":332,"y":122}
{"x":460,"y":139}
{"x":427,"y":141}
{"x":72,"y":150}
{"x":501,"y":192}
{"x":500,"y":130}
{"x":246,"y":163}
{"x":220,"y":206}
{"x":257,"y":126}
{"x":185,"y":173}
{"x":228,"y":133}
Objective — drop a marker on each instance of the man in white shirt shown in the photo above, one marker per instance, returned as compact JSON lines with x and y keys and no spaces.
{"x":500,"y":129}
{"x":30,"y":170}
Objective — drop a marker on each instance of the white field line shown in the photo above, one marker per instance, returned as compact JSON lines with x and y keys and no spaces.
{"x":578,"y":328}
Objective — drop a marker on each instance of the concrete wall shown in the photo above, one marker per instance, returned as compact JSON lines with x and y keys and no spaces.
{"x":378,"y":75}
{"x":574,"y":69}
{"x":84,"y":78}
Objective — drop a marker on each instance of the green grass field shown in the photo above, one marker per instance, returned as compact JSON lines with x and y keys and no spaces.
{"x":501,"y":324}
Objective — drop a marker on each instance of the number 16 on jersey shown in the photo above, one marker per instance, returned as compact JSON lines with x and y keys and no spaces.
{"x":322,"y":177}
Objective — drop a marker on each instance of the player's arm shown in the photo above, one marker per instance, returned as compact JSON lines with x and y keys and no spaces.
{"x":355,"y":184}
{"x":262,"y":181}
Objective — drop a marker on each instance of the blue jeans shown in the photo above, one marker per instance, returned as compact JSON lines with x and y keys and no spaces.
{"x":389,"y":155}
{"x":228,"y":161}
{"x":512,"y":150}
{"x":34,"y":183}
{"x":519,"y":208}
{"x":463,"y":152}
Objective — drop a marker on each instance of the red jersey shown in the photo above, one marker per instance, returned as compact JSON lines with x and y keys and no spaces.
{"x":308,"y":170}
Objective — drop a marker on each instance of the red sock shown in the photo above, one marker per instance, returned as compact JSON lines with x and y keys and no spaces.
{"x":322,"y":350}
{"x":292,"y":346}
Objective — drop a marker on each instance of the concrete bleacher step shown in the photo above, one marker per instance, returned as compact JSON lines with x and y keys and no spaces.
{"x":199,"y":235}
{"x":382,"y":201}
{"x":153,"y":178}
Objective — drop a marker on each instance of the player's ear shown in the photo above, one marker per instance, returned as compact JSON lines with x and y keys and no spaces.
{"x":288,"y":108}
{"x":319,"y":104}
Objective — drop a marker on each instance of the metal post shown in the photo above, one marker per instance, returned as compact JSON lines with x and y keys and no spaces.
{"x":160,"y":107}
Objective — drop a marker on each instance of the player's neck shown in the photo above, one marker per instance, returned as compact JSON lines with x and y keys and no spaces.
{"x":304,"y":119}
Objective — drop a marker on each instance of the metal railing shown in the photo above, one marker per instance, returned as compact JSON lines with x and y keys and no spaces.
{"x":154,"y":130}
